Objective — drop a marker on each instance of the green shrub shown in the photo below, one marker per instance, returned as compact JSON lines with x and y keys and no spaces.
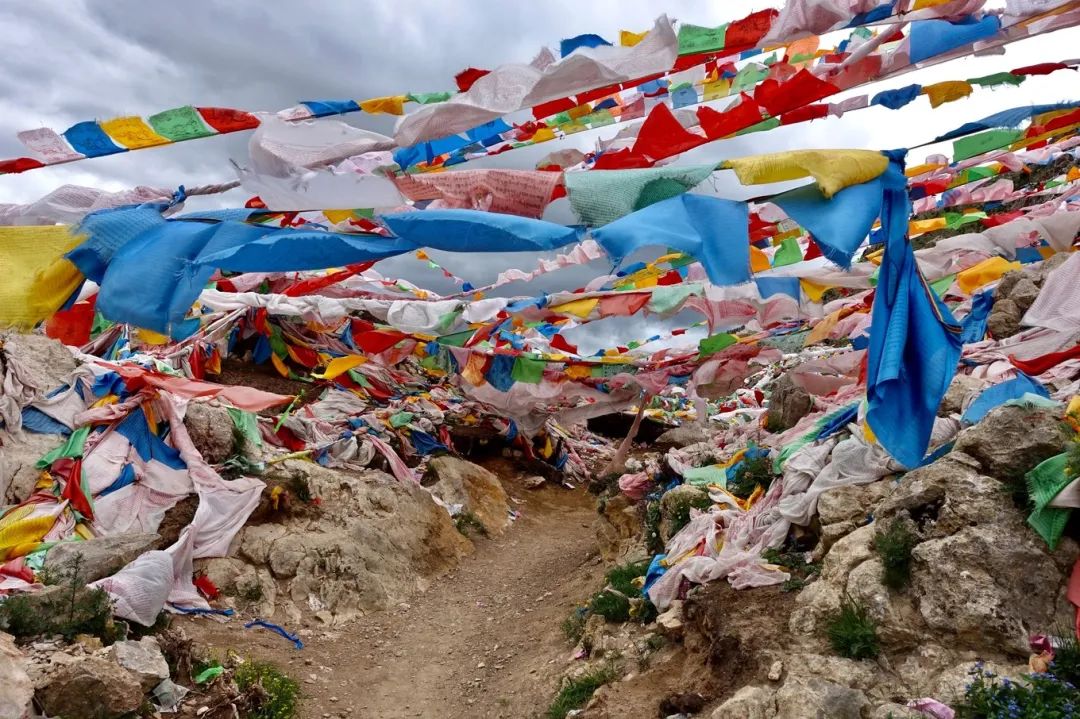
{"x":750,"y":474}
{"x":853,"y":632}
{"x":653,"y":542}
{"x":893,"y":547}
{"x":1038,"y":696}
{"x":1066,"y":664}
{"x":467,"y":522}
{"x":573,"y":626}
{"x":621,"y":598}
{"x":69,"y":609}
{"x":279,"y":694}
{"x":680,"y":512}
{"x":576,"y":692}
{"x":611,"y":606}
{"x":795,"y":563}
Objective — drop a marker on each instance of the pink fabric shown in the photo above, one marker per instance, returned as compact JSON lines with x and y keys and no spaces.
{"x":246,"y":398}
{"x":932,"y":708}
{"x":635,"y":486}
{"x":511,"y":192}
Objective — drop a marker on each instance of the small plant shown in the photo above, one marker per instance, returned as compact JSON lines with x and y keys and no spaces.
{"x":573,"y":626}
{"x":279,"y":694}
{"x":1066,"y":664}
{"x":795,"y":563}
{"x":467,"y":522}
{"x":772,"y":423}
{"x":298,"y":485}
{"x":680,"y":512}
{"x":853,"y":632}
{"x":653,"y":542}
{"x":893,"y":547}
{"x":576,"y":692}
{"x":610,"y":605}
{"x":70,"y":610}
{"x":1038,"y":696}
{"x":751,"y":474}
{"x":250,"y":593}
{"x":621,"y":599}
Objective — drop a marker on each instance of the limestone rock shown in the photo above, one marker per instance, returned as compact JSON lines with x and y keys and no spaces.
{"x":819,"y":698}
{"x":94,"y":687}
{"x":18,"y":475}
{"x":373,"y":542}
{"x":968,"y":584}
{"x":683,"y":436}
{"x":788,"y":404}
{"x":1010,"y":441}
{"x":618,"y":528}
{"x":1006,"y":284}
{"x":211,"y":430}
{"x":1004,"y":319}
{"x":962,"y":389}
{"x":16,"y":691}
{"x":670,"y":622}
{"x":98,"y":557}
{"x":677,"y":501}
{"x":1024,"y":294}
{"x":851,"y":502}
{"x":478,"y":491}
{"x":48,"y":363}
{"x":848,"y":553}
{"x":898,"y":623}
{"x":946,"y":496}
{"x":896,"y":711}
{"x":750,"y":702}
{"x":950,"y":683}
{"x":143,"y":659}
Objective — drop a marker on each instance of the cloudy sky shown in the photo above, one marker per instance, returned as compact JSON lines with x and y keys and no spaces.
{"x":74,"y":60}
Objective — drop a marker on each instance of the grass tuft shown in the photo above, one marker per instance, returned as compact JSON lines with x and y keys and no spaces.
{"x":893,"y":547}
{"x":853,"y":632}
{"x":278,"y":696}
{"x":467,"y":522}
{"x":751,"y":474}
{"x":576,"y":692}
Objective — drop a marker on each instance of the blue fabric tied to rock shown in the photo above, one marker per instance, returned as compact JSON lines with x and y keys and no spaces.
{"x":999,"y":394}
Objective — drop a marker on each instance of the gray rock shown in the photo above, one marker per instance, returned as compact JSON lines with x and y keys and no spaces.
{"x":1004,"y":319}
{"x":18,"y":455}
{"x":896,"y":711}
{"x":946,"y":496}
{"x":211,"y":430}
{"x":100,"y":557}
{"x":1010,"y":441}
{"x":16,"y":690}
{"x":970,"y":585}
{"x":1048,"y":265}
{"x":1024,"y":294}
{"x":750,"y":702}
{"x":788,"y":404}
{"x":963,"y":388}
{"x":674,"y":502}
{"x":680,"y":437}
{"x":1008,"y":281}
{"x":851,"y":502}
{"x":951,"y":682}
{"x":94,"y":688}
{"x":143,"y":659}
{"x":477,"y":490}
{"x":819,"y":699}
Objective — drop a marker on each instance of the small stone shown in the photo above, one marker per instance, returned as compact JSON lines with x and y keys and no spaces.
{"x":776,"y":670}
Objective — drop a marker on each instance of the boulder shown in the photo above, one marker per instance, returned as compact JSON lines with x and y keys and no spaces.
{"x":951,"y":682}
{"x":819,"y":698}
{"x":16,"y":690}
{"x":1012,"y":440}
{"x":962,"y":389}
{"x":18,"y":455}
{"x":750,"y":702}
{"x":98,"y":557}
{"x":211,"y":430}
{"x":970,"y":585}
{"x":946,"y":496}
{"x":47,"y":363}
{"x":373,"y":542}
{"x":1004,"y":319}
{"x":143,"y":659}
{"x":1006,"y":284}
{"x":475,"y":489}
{"x":675,"y":503}
{"x":679,"y":437}
{"x":788,"y":404}
{"x":899,"y":625}
{"x":1024,"y":294}
{"x":618,"y":528}
{"x":94,"y":688}
{"x":851,"y":502}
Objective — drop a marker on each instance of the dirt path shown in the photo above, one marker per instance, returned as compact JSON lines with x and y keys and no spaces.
{"x":485,"y":641}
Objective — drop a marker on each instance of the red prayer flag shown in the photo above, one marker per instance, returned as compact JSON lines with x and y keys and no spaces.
{"x":721,"y":124}
{"x":224,"y":119}
{"x":804,"y":114}
{"x":1042,"y":68}
{"x":662,"y":135}
{"x":19,"y":164}
{"x":746,"y":33}
{"x":72,"y":327}
{"x":802,"y":89}
{"x":468,"y":76}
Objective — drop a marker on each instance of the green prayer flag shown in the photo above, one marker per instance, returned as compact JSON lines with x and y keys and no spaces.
{"x":359,"y":378}
{"x":940,"y":286}
{"x":712,"y":345}
{"x":973,"y":145}
{"x":694,"y":39}
{"x":528,"y":369}
{"x":701,"y":476}
{"x":70,"y":449}
{"x":749,"y":77}
{"x":998,"y":78}
{"x":401,"y":419}
{"x":771,"y":123}
{"x":788,"y":254}
{"x":1044,"y":483}
{"x":246,"y":424}
{"x":458,"y":339}
{"x":427,"y":98}
{"x":180,"y":123}
{"x":666,"y":298}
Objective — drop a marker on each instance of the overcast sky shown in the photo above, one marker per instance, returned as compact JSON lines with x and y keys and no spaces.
{"x":73,"y":60}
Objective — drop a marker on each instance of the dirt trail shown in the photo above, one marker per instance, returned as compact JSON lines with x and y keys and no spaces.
{"x":485,"y":641}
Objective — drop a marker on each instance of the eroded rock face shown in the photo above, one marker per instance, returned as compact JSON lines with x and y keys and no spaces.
{"x":478,"y":491}
{"x":1010,"y":441}
{"x":93,"y":687}
{"x":16,"y":690}
{"x":211,"y":430}
{"x":371,"y":542}
{"x":961,"y":390}
{"x":143,"y":659}
{"x":618,"y":528}
{"x":750,"y":702}
{"x":788,"y":404}
{"x":98,"y":557}
{"x":18,"y":455}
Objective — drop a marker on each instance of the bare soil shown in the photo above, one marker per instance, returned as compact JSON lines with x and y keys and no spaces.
{"x":484,"y":641}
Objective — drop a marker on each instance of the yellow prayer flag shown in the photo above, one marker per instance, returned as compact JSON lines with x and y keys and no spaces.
{"x":985,"y":272}
{"x":832,"y":169}
{"x":36,"y":279}
{"x":948,"y":91}
{"x":132,"y":132}
{"x":340,"y":365}
{"x":392,"y":105}
{"x":337,"y":216}
{"x":578,"y":308}
{"x":629,"y":39}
